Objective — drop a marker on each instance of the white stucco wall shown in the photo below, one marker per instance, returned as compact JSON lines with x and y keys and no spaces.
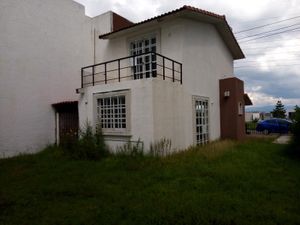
{"x":43,"y":45}
{"x":101,"y":24}
{"x":169,"y":109}
{"x":141,"y":108}
{"x":206,"y":59}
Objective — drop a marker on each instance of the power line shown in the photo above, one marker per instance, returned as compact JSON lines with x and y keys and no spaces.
{"x":248,"y":66}
{"x":269,"y":47}
{"x":286,"y":31}
{"x":272,"y":60}
{"x":264,"y":65}
{"x":270,"y":31}
{"x":274,"y":53}
{"x":268,"y":18}
{"x":269,"y":24}
{"x":262,"y":42}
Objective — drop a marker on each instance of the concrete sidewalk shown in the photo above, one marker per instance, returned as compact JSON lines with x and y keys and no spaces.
{"x":283,"y":139}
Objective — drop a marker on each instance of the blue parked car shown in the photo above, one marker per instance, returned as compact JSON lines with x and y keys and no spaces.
{"x":274,"y":125}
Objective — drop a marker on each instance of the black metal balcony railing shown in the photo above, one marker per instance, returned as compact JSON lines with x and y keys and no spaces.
{"x":141,"y":66}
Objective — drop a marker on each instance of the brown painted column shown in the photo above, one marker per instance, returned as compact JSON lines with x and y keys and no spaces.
{"x":232,"y":108}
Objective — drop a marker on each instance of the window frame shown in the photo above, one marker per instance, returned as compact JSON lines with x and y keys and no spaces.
{"x":114,"y":131}
{"x":139,"y":70}
{"x":241,"y":108}
{"x":204,"y":99}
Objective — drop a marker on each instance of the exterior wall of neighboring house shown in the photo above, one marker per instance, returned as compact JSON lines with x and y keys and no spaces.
{"x":43,"y":45}
{"x":265,"y":116}
{"x":165,"y":109}
{"x":250,"y":116}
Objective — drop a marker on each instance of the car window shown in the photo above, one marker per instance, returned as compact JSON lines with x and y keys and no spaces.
{"x":271,"y":121}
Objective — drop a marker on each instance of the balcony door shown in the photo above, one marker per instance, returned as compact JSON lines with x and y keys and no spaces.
{"x":144,"y":61}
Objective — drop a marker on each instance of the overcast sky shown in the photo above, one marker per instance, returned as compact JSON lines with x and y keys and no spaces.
{"x":271,"y":70}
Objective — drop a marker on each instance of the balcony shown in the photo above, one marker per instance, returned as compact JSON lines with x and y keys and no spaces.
{"x":143,"y":66}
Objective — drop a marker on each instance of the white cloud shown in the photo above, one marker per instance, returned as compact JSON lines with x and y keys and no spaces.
{"x":236,"y":9}
{"x":261,"y":99}
{"x":285,"y":53}
{"x":256,"y":88}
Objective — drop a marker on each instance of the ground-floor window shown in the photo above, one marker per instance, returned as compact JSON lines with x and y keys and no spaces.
{"x":112,"y":111}
{"x":201,"y":120}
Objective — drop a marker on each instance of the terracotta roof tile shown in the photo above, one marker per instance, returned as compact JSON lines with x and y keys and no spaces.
{"x":239,"y":53}
{"x":185,"y":7}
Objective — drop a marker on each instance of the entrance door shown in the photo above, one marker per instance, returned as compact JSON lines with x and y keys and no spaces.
{"x":201,"y":120}
{"x":68,"y":125}
{"x":143,"y":65}
{"x":67,"y":121}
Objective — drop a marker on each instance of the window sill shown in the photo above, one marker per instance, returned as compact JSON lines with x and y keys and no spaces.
{"x":117,"y":134}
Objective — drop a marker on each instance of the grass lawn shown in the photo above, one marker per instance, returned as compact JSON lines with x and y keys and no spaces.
{"x":253,"y":182}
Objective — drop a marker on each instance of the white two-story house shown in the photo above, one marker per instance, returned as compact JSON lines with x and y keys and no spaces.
{"x":167,"y":77}
{"x":164,"y":78}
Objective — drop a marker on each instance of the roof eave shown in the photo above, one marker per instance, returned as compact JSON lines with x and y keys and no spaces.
{"x":219,"y":21}
{"x":230,"y":40}
{"x":247,"y":99}
{"x":127,"y":30}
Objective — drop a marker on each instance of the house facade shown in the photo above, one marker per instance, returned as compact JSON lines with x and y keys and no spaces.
{"x":162,"y":78}
{"x":159,"y":78}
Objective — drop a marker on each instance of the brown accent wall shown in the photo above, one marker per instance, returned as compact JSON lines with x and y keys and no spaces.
{"x":120,"y":22}
{"x":232,"y":122}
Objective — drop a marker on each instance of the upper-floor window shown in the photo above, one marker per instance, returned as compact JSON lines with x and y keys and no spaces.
{"x":144,"y":63}
{"x":240,"y":108}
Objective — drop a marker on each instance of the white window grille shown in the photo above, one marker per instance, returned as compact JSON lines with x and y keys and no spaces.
{"x":112,"y":112}
{"x":143,"y":66}
{"x":201,"y":120}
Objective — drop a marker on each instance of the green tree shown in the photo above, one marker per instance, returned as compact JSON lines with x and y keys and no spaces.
{"x":296,"y":125}
{"x":279,"y":110}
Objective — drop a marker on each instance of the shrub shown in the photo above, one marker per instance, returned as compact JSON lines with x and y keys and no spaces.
{"x":161,"y":147}
{"x":296,"y":132}
{"x":89,"y":146}
{"x":131,"y":149}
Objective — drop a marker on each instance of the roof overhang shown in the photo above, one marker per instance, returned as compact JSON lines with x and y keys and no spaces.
{"x":247,"y":99}
{"x":191,"y":13}
{"x":66,"y":105}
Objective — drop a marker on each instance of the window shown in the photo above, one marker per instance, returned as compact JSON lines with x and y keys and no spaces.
{"x":143,"y":66}
{"x":240,"y":108}
{"x":201,"y":120}
{"x":272,"y":121}
{"x":112,"y":111}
